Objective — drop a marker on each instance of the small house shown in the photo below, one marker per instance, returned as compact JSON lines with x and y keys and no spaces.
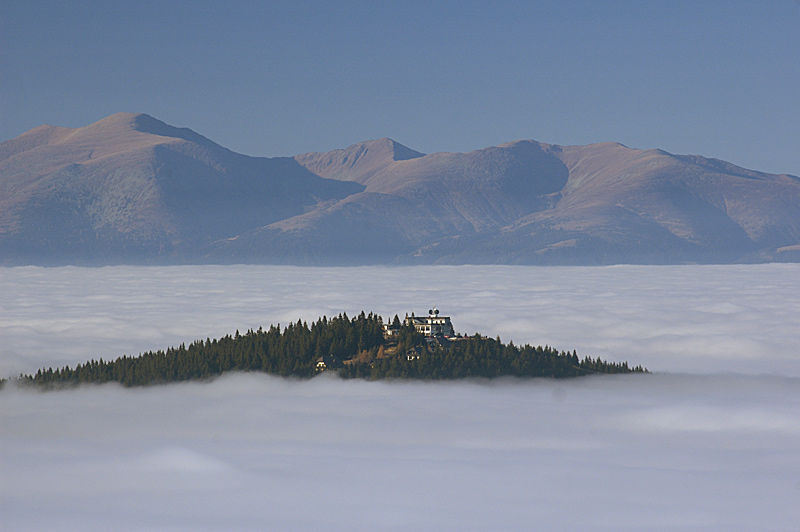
{"x":414,"y":353}
{"x":327,"y":362}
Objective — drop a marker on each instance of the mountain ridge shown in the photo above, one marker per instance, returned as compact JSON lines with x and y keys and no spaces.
{"x":131,"y":188}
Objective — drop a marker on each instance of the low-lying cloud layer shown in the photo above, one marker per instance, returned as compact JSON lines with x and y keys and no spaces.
{"x":252,"y":452}
{"x":697,"y":319}
{"x":713,"y":451}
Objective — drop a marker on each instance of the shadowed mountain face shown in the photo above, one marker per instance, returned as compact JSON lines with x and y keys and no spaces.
{"x":130,"y":188}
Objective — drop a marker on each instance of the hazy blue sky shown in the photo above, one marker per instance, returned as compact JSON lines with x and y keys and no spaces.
{"x":720,"y":79}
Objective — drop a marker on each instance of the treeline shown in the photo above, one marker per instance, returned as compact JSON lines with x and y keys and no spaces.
{"x":288,"y":352}
{"x":355,"y":347}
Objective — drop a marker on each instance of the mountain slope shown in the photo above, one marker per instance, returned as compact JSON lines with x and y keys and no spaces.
{"x":532,"y":203}
{"x":358,"y":162}
{"x":130,"y":188}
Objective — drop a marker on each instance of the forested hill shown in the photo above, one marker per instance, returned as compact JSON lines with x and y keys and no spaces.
{"x":355,"y":348}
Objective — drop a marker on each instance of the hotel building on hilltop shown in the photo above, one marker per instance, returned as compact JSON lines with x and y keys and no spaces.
{"x":431,"y":325}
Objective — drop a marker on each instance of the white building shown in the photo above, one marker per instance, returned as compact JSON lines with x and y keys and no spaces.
{"x":390,"y":331}
{"x":431,"y":325}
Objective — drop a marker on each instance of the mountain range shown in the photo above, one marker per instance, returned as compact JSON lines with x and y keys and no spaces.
{"x":130,"y":189}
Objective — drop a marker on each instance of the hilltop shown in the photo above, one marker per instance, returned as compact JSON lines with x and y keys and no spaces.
{"x":354,"y":348}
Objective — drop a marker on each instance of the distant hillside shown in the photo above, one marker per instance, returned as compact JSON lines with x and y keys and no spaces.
{"x":131,"y":189}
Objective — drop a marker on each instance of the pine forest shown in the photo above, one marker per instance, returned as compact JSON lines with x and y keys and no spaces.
{"x":354,"y":348}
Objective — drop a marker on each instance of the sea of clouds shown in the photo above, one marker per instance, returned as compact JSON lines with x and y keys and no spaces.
{"x":708,"y":442}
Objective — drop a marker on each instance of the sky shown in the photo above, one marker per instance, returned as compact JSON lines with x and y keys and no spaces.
{"x":708,"y":442}
{"x":269,"y":78}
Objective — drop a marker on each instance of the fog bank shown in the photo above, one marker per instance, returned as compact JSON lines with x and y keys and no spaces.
{"x":697,"y":319}
{"x":707,"y":450}
{"x":252,"y":452}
